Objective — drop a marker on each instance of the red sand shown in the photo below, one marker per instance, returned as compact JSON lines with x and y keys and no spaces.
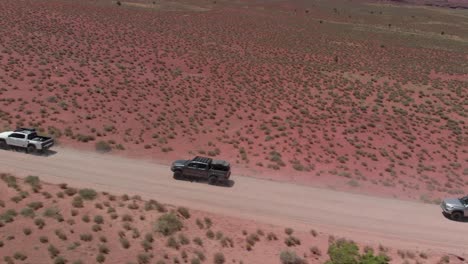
{"x":66,"y":235}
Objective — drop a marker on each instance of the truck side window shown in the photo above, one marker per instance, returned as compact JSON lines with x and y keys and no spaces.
{"x":31,"y":136}
{"x":16,"y":135}
{"x":192,"y":165}
{"x":202,"y":166}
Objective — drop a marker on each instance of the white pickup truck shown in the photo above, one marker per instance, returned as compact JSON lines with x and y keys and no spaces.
{"x":25,"y":138}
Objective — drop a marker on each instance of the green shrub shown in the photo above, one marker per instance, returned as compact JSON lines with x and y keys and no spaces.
{"x":168,"y":224}
{"x":8,"y":216}
{"x":195,"y":261}
{"x":77,"y":202}
{"x":184,"y":239}
{"x":35,"y":205}
{"x":143,"y":258}
{"x":184,"y":212}
{"x":210,"y":234}
{"x":252,"y":239}
{"x":103,"y":146}
{"x":147,"y":246}
{"x":343,"y":251}
{"x":370,"y":258}
{"x":47,"y":195}
{"x":290,"y":257}
{"x":149,"y":237}
{"x":127,"y":218}
{"x":172,"y":243}
{"x":53,"y":251}
{"x":198,"y":241}
{"x":88,"y":194}
{"x":227,"y":242}
{"x":20,"y":256}
{"x":85,"y":218}
{"x":53,"y":212}
{"x":133,"y":206}
{"x":100,"y":258}
{"x":98,"y":219}
{"x":272,"y":236}
{"x":291,"y":241}
{"x":60,"y":260}
{"x":103,"y":249}
{"x":71,"y":191}
{"x":73,"y":246}
{"x":27,"y":231}
{"x":86,"y":237}
{"x":316,"y":251}
{"x":34,"y":182}
{"x":199,"y":223}
{"x":28,"y":212}
{"x":10,"y":180}
{"x":60,"y":234}
{"x":313,"y":233}
{"x":219,"y":258}
{"x":208,"y":222}
{"x":200,"y":255}
{"x":124,"y":242}
{"x":39,"y":223}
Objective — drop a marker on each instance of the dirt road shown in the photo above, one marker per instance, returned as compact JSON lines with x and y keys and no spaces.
{"x":401,"y":224}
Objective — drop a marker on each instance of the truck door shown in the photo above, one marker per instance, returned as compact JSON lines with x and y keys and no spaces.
{"x":16,"y":139}
{"x":191,"y":169}
{"x":202,"y":170}
{"x":464,"y":201}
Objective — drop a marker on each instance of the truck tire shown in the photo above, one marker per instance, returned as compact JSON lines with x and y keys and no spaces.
{"x":457,"y":216}
{"x":3,"y":144}
{"x":212,"y":180}
{"x":30,"y":149}
{"x":178,"y":175}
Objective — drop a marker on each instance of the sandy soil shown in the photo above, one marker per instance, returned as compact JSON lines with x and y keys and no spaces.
{"x":253,"y":82}
{"x":396,"y":223}
{"x":43,"y":223}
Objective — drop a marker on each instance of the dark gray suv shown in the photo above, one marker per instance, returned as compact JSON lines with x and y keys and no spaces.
{"x":456,"y":208}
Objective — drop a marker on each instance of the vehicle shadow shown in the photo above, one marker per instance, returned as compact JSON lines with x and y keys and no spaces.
{"x":463,"y":220}
{"x":225,"y":184}
{"x":46,"y":153}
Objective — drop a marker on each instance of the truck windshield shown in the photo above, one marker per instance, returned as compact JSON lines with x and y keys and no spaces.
{"x":464,"y":200}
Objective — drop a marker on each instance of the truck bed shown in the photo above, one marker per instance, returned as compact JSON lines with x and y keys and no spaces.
{"x":41,"y":138}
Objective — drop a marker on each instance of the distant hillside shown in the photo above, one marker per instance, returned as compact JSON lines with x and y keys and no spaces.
{"x":459,"y":4}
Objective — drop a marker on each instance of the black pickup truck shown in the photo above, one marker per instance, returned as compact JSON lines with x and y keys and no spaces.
{"x":215,"y":171}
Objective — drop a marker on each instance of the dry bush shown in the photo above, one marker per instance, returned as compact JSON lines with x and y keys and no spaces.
{"x":168,"y":224}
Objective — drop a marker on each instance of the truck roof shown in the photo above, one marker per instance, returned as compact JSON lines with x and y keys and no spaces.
{"x":203,"y":159}
{"x":211,"y":161}
{"x":25,"y":130}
